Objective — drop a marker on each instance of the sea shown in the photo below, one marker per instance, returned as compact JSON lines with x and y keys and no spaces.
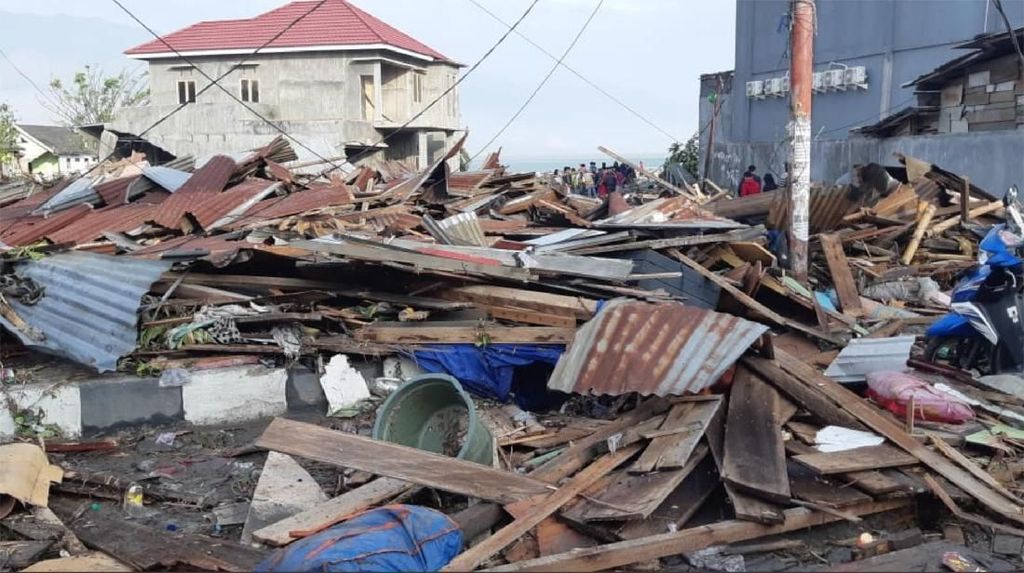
{"x":516,"y":165}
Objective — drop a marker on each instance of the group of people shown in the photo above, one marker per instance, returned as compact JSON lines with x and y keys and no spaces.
{"x":594,"y":181}
{"x":751,"y":183}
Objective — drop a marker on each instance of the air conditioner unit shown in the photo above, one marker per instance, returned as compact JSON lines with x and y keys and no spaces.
{"x":833,"y":79}
{"x":857,"y":76}
{"x":755,"y":89}
{"x":774,"y":87}
{"x":785,"y":85}
{"x":818,"y":82}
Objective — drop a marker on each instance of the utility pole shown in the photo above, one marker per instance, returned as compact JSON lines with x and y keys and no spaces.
{"x":801,"y":74}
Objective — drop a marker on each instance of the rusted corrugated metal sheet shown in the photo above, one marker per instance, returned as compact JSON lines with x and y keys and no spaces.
{"x":467,"y":181}
{"x":298,"y":202}
{"x":89,"y":308}
{"x":235,"y":201}
{"x":663,"y":349}
{"x":207,"y":180}
{"x":29,"y":230}
{"x":828,"y":207}
{"x":115,"y":192}
{"x":109,"y":219}
{"x":28,"y":204}
{"x":216,"y":249}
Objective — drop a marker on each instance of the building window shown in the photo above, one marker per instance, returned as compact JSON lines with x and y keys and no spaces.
{"x":417,"y":87}
{"x":186,"y":91}
{"x":251,"y":91}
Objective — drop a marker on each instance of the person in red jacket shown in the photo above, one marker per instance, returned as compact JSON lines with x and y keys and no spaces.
{"x":751,"y":183}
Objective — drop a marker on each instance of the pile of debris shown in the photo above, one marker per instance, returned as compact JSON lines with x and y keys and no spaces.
{"x":671,"y":397}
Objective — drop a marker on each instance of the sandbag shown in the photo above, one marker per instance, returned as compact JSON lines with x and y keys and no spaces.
{"x":389,"y":538}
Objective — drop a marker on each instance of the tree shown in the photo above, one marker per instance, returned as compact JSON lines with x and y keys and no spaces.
{"x":9,"y":150}
{"x":94,"y":98}
{"x":688,"y":154}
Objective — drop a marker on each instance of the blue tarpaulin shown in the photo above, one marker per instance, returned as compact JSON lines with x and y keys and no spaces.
{"x":485,"y":370}
{"x":390,"y":538}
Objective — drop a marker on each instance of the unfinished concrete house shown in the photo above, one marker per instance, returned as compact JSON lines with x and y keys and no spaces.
{"x":339,"y":80}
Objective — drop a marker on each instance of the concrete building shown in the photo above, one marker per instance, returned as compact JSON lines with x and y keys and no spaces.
{"x":48,"y":152}
{"x":339,"y":81}
{"x":866,"y":55}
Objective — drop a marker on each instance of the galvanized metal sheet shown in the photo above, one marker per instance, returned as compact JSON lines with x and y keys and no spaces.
{"x":89,"y":309}
{"x":78,"y":192}
{"x":663,"y":349}
{"x":862,"y":356}
{"x":668,"y":213}
{"x":165,"y":177}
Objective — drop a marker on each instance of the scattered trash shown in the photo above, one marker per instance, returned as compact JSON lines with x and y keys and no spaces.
{"x":839,"y":439}
{"x":897,"y":392}
{"x":174,"y":377}
{"x":166,"y":438}
{"x":344,"y":387}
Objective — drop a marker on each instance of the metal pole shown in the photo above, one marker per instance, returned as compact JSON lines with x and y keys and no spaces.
{"x":801,"y":74}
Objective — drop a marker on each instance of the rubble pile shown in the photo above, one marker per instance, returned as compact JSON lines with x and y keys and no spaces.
{"x":636,"y":381}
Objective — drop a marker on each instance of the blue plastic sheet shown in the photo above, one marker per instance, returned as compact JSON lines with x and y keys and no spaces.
{"x":389,"y":538}
{"x":485,"y":370}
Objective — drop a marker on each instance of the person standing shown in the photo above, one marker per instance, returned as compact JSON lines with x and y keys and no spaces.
{"x":769,"y":183}
{"x":750,"y":184}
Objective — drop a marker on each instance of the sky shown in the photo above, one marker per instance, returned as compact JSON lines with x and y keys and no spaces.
{"x":647,"y":53}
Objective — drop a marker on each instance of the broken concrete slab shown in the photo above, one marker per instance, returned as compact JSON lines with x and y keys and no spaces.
{"x":283,"y":490}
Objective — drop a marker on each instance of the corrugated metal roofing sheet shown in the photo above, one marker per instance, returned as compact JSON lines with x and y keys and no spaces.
{"x":468,"y":180}
{"x":165,"y":177}
{"x":862,"y":356}
{"x":298,"y":202}
{"x":827,"y":209}
{"x":663,"y":349}
{"x":668,"y":213}
{"x":89,"y":309}
{"x":29,"y":230}
{"x":235,"y":201}
{"x":209,"y":179}
{"x":79,"y":191}
{"x":115,"y":192}
{"x":109,"y":219}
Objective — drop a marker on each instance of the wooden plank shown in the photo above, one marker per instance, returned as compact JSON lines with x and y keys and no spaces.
{"x":403,"y":333}
{"x":744,"y":506}
{"x":672,"y":451}
{"x":679,"y":506}
{"x":750,"y":303}
{"x":874,"y":482}
{"x":396,"y":461}
{"x":923,"y":221}
{"x":752,"y":252}
{"x":755,"y":454}
{"x":620,"y":554}
{"x":16,"y":555}
{"x":146,"y":547}
{"x":687,"y":241}
{"x":332,"y":511}
{"x":554,"y":537}
{"x":857,"y":459}
{"x":819,"y":405}
{"x":527,"y":316}
{"x":474,"y":556}
{"x":884,"y":425}
{"x":951,"y":453}
{"x":809,"y":487}
{"x":839,"y":267}
{"x":631,"y":496}
{"x":580,"y":307}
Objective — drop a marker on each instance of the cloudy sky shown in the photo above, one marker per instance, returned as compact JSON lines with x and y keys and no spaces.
{"x":647,"y":53}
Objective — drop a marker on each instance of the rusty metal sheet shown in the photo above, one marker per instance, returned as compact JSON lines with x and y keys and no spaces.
{"x":115,"y":192}
{"x":207,"y":180}
{"x":29,"y":204}
{"x":828,"y":207}
{"x":116,"y":219}
{"x":29,"y":230}
{"x":298,"y":202}
{"x":468,"y":181}
{"x":233,"y":202}
{"x":218,"y":250}
{"x":407,"y":188}
{"x":664,"y":349}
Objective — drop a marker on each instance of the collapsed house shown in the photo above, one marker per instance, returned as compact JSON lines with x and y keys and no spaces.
{"x":554,"y":382}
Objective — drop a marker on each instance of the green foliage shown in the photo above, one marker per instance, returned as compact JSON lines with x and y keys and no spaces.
{"x":9,"y":150}
{"x":688,"y":154}
{"x":28,"y":423}
{"x":93,"y":98}
{"x":28,"y":252}
{"x":151,"y":335}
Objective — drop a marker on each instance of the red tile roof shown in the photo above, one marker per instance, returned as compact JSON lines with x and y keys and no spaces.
{"x":335,"y":23}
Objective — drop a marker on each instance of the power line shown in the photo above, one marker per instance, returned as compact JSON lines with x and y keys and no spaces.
{"x":540,"y":86}
{"x":572,"y":70}
{"x":31,"y":82}
{"x":215,"y":82}
{"x":440,"y":97}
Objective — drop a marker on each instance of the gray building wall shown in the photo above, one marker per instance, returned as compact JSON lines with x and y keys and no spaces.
{"x":314,"y":96}
{"x":897,"y":41}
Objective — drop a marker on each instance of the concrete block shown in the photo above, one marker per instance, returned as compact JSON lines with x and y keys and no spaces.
{"x":112,"y":404}
{"x":231,"y":395}
{"x":303,"y":391}
{"x":61,"y":405}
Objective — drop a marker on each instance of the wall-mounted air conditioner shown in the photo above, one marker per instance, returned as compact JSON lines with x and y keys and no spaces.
{"x":755,"y":89}
{"x":834,"y":80}
{"x":818,"y":83}
{"x":857,"y":77}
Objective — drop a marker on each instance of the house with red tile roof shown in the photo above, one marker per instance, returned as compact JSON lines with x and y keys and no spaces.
{"x":331,"y":75}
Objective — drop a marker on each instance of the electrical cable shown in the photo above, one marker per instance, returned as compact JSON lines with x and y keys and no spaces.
{"x":1009,"y":30}
{"x":28,"y":79}
{"x":586,"y":80}
{"x":543,"y":82}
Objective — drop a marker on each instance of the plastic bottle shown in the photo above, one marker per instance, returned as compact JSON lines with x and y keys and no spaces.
{"x":133,"y":501}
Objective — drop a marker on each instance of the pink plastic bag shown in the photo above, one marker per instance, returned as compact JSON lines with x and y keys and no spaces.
{"x":893,"y":391}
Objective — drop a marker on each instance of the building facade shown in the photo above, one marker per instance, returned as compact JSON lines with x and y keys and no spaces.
{"x":865,"y":56}
{"x":339,"y":81}
{"x":49,"y":152}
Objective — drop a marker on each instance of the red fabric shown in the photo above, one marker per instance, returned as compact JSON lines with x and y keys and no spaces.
{"x":335,"y":23}
{"x":750,"y":186}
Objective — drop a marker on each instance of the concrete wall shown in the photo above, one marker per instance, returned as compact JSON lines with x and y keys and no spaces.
{"x":896,"y":40}
{"x":316,"y":97}
{"x":993,"y":160}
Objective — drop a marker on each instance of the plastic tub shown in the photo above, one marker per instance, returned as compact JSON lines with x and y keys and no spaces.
{"x":432,"y":412}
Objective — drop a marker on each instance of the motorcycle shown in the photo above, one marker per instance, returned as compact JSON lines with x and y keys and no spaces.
{"x":983,"y":331}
